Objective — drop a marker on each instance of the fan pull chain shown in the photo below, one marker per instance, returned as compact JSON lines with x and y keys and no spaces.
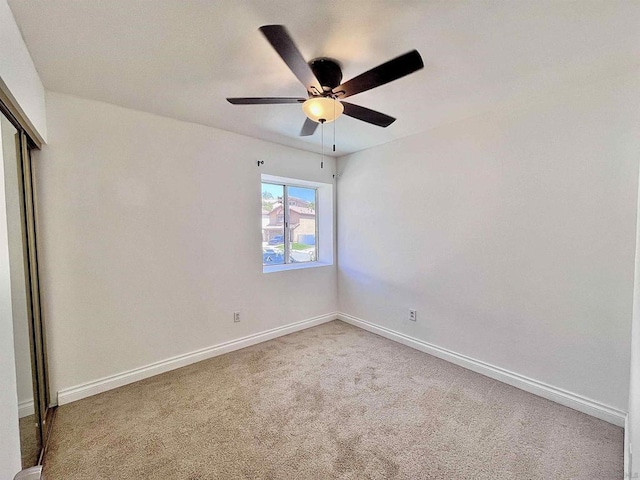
{"x":334,"y":125}
{"x":322,"y":136}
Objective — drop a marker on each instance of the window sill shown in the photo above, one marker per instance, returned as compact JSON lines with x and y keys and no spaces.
{"x":293,"y":266}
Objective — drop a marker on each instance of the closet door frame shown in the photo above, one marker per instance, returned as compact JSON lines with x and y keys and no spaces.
{"x":39,"y":337}
{"x":37,"y":333}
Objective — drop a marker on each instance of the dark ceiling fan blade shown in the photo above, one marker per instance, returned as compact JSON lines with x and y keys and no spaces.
{"x":385,"y":73}
{"x":308,"y":128}
{"x":282,"y":42}
{"x":367,"y":115}
{"x":264,"y":100}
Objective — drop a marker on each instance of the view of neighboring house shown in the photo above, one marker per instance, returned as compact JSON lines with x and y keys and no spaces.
{"x":302,"y":222}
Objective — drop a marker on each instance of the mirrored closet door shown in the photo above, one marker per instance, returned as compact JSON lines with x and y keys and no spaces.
{"x":28,"y":331}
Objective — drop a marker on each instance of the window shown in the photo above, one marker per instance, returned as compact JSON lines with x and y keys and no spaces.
{"x":297,"y":223}
{"x":290,"y":232}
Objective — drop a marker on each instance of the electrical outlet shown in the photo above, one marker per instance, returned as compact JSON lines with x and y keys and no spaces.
{"x":236,"y":317}
{"x":413,"y":315}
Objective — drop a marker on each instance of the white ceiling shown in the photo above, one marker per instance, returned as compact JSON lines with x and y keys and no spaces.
{"x":182,"y":58}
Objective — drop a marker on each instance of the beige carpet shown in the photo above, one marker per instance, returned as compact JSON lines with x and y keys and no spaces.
{"x":331,"y":402}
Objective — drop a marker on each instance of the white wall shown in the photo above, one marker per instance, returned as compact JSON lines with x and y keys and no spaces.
{"x":511,"y":233}
{"x":18,"y":75}
{"x":150,"y":233}
{"x":633,"y":427}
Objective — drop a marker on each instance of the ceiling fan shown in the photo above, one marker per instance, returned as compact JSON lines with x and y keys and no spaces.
{"x":322,"y":76}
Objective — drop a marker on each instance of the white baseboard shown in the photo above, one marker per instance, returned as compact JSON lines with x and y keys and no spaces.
{"x":26,"y":408}
{"x":88,"y":389}
{"x":558,"y":395}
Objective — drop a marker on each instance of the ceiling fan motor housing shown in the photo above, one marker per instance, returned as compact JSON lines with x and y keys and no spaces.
{"x":328,"y":73}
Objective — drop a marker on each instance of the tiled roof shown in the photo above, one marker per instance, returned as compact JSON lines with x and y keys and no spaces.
{"x":303,"y":211}
{"x":300,"y":210}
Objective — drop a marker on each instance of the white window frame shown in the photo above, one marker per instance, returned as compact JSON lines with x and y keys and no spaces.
{"x":324,"y":223}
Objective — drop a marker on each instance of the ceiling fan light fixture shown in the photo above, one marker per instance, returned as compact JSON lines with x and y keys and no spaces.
{"x":322,"y":109}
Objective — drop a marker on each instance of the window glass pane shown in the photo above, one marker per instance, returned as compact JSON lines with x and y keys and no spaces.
{"x":302,"y":224}
{"x":272,"y":224}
